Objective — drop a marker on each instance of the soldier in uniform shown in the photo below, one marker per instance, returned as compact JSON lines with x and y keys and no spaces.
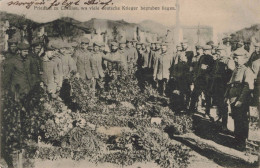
{"x":36,"y":61}
{"x":189,"y":54}
{"x":162,"y":68}
{"x":255,"y":55}
{"x":238,"y":94}
{"x":17,"y":73}
{"x":50,"y":71}
{"x":96,"y":67}
{"x":66,"y":59}
{"x":180,"y":84}
{"x":154,"y":55}
{"x":222,"y":72}
{"x":202,"y":82}
{"x":82,"y":57}
{"x":132,"y":55}
{"x":12,"y":48}
{"x":226,"y":42}
{"x":117,"y":61}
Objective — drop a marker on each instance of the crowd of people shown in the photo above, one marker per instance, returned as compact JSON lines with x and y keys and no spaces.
{"x":220,"y":75}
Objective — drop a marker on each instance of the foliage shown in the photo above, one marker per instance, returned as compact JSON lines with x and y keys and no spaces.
{"x":12,"y":123}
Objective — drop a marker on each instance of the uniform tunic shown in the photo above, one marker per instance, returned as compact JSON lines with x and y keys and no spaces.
{"x":96,"y":65}
{"x":240,"y":85}
{"x":162,"y":66}
{"x":58,"y":64}
{"x":82,"y":58}
{"x":67,"y":65}
{"x":35,"y":68}
{"x":50,"y":75}
{"x":16,"y":75}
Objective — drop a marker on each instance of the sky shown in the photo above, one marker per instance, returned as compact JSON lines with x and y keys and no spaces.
{"x":222,"y":15}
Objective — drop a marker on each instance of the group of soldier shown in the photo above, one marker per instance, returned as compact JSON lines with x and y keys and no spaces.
{"x":220,"y":75}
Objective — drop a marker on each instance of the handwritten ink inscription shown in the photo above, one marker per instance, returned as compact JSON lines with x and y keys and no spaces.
{"x":64,"y":3}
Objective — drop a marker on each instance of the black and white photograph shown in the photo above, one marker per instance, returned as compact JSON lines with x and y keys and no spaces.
{"x":129,"y":83}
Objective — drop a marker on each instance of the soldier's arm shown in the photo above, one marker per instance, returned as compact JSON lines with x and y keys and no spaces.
{"x":155,"y":67}
{"x":7,"y":75}
{"x":248,"y":86}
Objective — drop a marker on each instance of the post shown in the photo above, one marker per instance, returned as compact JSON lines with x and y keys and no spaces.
{"x":177,"y":26}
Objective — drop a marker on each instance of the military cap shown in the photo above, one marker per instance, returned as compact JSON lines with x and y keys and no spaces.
{"x":210,"y":43}
{"x":240,"y":52}
{"x":198,"y":46}
{"x":36,"y":42}
{"x":113,"y":43}
{"x":12,"y":40}
{"x":178,"y":45}
{"x":56,"y":45}
{"x":84,"y":40}
{"x":240,"y":42}
{"x":23,"y":46}
{"x":97,"y":44}
{"x":206,"y":47}
{"x":257,"y":44}
{"x":90,"y":47}
{"x":139,"y":43}
{"x":184,"y":41}
{"x":247,"y":41}
{"x":122,"y":42}
{"x":129,"y":40}
{"x":73,"y":44}
{"x":165,"y":44}
{"x":134,"y":40}
{"x":221,"y":47}
{"x":226,"y":39}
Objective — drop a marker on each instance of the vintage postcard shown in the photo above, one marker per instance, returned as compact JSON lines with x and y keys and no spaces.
{"x":129,"y":83}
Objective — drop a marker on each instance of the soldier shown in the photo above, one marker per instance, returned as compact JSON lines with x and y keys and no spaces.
{"x":117,"y":64}
{"x":50,"y":71}
{"x":82,"y":57}
{"x":36,"y":61}
{"x":195,"y":60}
{"x":96,"y":67}
{"x":162,"y":68}
{"x":238,"y":94}
{"x":12,"y":48}
{"x":90,"y":48}
{"x":66,"y":60}
{"x":16,"y":75}
{"x":189,"y":54}
{"x":154,"y":55}
{"x":256,"y":68}
{"x":202,"y":82}
{"x":57,"y":45}
{"x":223,"y":68}
{"x":255,"y":55}
{"x":226,"y":42}
{"x":180,"y":84}
{"x":132,"y":55}
{"x":178,"y":53}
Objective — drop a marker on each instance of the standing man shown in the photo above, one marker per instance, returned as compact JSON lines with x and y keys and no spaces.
{"x":162,"y":68}
{"x":180,"y":85}
{"x":189,"y":54}
{"x":17,"y":73}
{"x":238,"y":94}
{"x":82,"y":57}
{"x":202,"y":82}
{"x":50,"y":71}
{"x":36,"y":62}
{"x":132,"y":55}
{"x":96,"y":67}
{"x":255,"y":55}
{"x":12,"y":49}
{"x":222,"y":72}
